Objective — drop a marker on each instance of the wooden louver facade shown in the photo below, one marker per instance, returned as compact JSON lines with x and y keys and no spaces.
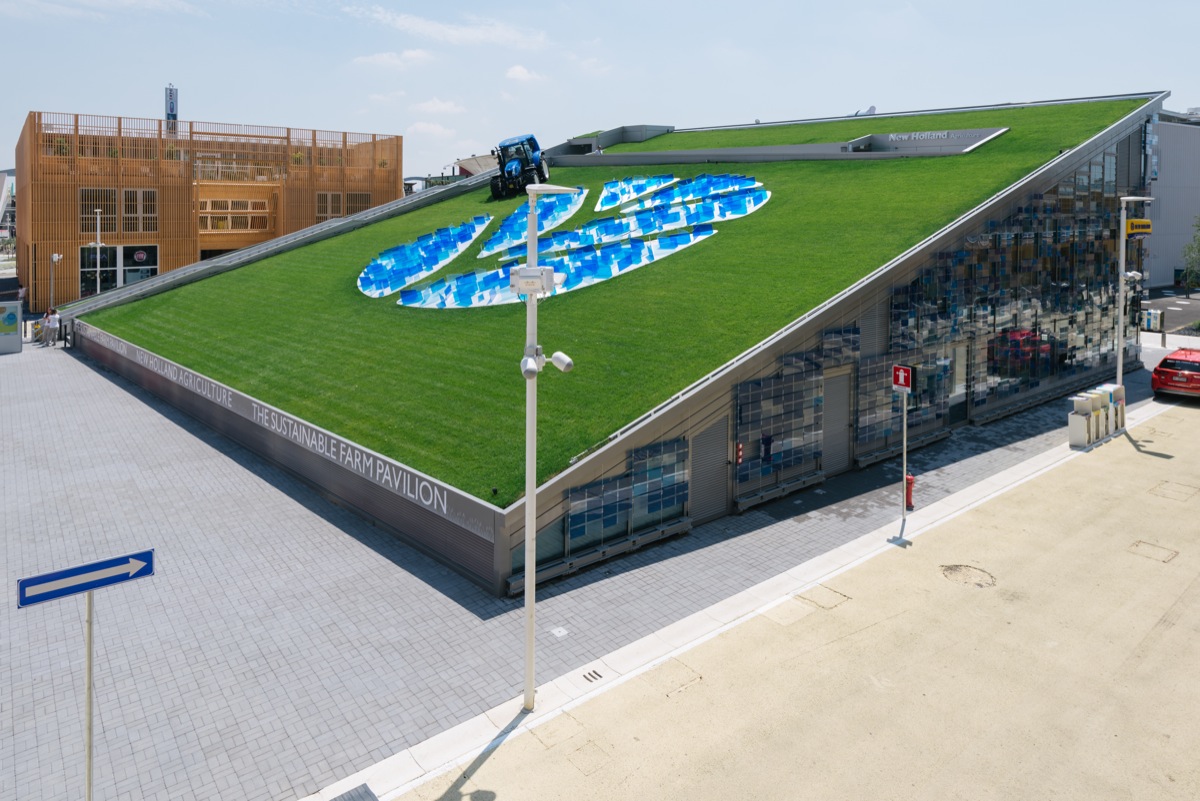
{"x":170,"y":193}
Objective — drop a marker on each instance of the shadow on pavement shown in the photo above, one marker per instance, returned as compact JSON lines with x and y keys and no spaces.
{"x":457,"y":588}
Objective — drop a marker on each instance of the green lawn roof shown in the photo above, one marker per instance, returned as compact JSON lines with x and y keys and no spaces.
{"x":441,"y":391}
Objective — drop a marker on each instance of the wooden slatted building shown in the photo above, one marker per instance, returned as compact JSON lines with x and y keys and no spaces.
{"x":158,"y":195}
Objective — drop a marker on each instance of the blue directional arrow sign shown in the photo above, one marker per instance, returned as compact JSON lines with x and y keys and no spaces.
{"x":73,"y":580}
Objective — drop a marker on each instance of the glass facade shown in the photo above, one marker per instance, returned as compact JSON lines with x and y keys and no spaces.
{"x":1019,"y":305}
{"x":119,"y":266}
{"x":1022,"y":303}
{"x":778,"y":429}
{"x":654,"y":489}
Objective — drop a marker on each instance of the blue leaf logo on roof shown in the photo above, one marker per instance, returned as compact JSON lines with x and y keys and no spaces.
{"x":660,"y":215}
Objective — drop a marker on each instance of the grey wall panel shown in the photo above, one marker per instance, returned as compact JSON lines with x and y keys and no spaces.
{"x":710,"y":473}
{"x":457,"y":529}
{"x":836,"y":454}
{"x":874,"y":327}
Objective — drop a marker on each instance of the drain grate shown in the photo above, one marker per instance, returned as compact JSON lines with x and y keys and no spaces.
{"x":969,"y":576}
{"x":592,"y":676}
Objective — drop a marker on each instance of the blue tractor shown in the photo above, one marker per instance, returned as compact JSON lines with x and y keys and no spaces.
{"x":521,"y":163}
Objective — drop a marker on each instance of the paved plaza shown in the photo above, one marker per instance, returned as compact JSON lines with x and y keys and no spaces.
{"x":284,"y":643}
{"x":1040,"y":643}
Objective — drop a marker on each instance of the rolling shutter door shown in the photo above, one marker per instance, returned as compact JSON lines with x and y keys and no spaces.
{"x":709,"y":492}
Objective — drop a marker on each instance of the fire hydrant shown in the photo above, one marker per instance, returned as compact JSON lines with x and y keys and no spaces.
{"x":909,"y":480}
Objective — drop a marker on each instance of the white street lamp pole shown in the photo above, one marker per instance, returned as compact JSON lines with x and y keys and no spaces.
{"x":531,"y":348}
{"x":1121,"y":287}
{"x":533,"y":282}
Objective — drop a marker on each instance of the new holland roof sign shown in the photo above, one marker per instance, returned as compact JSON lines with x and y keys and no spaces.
{"x":1137,"y":228}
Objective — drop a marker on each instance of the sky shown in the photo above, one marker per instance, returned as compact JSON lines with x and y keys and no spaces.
{"x":456,"y":77}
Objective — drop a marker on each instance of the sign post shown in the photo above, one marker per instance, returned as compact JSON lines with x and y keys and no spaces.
{"x":902,"y":380}
{"x":72,"y":581}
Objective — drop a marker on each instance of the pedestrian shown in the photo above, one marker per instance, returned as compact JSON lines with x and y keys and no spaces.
{"x":50,"y":324}
{"x":21,"y":296}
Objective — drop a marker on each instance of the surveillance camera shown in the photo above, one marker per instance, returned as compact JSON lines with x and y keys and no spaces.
{"x":562,"y":361}
{"x":529,"y":367}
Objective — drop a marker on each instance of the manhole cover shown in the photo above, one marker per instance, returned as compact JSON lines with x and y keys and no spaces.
{"x":968,"y":576}
{"x":1152,"y":551}
{"x":1174,"y":491}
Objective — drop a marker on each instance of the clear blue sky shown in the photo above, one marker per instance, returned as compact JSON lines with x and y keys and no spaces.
{"x":455,"y":77}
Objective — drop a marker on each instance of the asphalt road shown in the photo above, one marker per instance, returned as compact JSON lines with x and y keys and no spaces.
{"x":1180,"y":310}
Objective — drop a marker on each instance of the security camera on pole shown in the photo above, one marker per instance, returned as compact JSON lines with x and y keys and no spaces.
{"x":533,"y":283}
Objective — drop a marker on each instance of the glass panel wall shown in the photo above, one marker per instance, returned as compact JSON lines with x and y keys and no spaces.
{"x":1023,"y":302}
{"x":652,"y":491}
{"x":778,"y":427}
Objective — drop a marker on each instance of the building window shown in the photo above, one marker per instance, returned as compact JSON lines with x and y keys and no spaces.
{"x":357,"y":202}
{"x":141,"y":211}
{"x":329,"y":205}
{"x":138,"y":262}
{"x":216,"y":214}
{"x":118,"y":266}
{"x":89,"y":201}
{"x":97,"y":274}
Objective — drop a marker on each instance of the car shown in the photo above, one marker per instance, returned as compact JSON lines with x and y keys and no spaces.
{"x":1177,"y":374}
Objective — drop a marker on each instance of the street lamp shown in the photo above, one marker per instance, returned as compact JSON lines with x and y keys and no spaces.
{"x":533,"y":282}
{"x":1121,"y":286}
{"x":97,"y":244}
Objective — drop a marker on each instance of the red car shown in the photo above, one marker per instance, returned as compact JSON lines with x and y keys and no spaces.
{"x":1177,"y":374}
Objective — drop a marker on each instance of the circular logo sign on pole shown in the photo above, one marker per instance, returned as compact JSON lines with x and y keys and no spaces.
{"x":139,"y":256}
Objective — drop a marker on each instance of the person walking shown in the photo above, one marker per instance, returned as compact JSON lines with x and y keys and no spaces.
{"x":50,"y":325}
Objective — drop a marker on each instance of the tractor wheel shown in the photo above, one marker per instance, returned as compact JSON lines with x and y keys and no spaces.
{"x":497,"y":188}
{"x":530,"y":176}
{"x":544,"y":170}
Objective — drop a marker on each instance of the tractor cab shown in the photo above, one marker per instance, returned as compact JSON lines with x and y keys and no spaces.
{"x":521,"y":163}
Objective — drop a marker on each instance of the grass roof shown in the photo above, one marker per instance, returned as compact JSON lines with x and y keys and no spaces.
{"x":441,"y":391}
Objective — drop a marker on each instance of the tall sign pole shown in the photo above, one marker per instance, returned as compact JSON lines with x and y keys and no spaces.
{"x":902,"y":379}
{"x":72,"y":581}
{"x":91,"y":686}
